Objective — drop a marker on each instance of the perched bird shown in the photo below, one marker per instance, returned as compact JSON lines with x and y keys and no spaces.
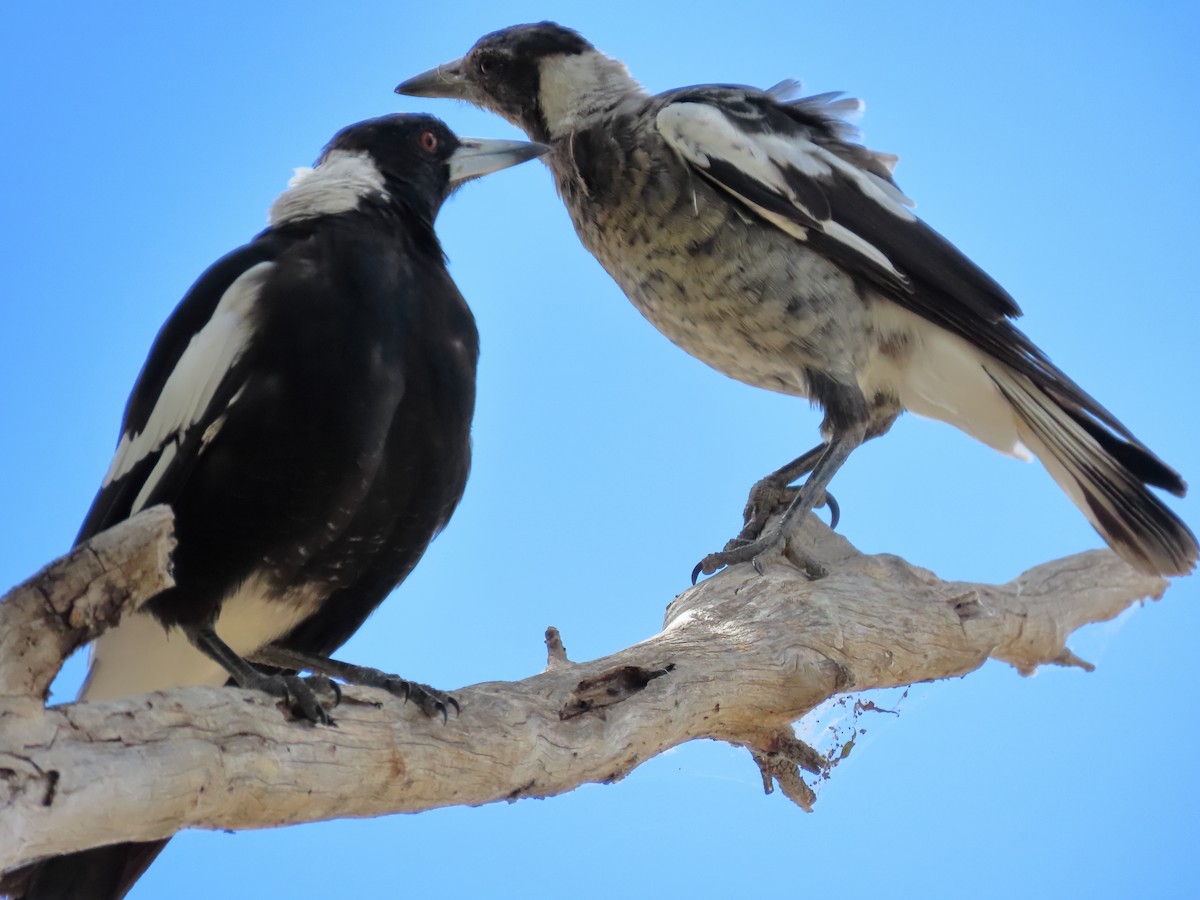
{"x":752,"y":231}
{"x":306,"y":411}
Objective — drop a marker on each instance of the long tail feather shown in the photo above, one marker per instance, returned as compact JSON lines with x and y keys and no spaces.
{"x":1104,"y":475}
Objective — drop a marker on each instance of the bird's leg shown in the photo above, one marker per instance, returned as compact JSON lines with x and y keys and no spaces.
{"x":298,"y":693}
{"x":810,"y":495}
{"x":774,"y":492}
{"x":430,"y":700}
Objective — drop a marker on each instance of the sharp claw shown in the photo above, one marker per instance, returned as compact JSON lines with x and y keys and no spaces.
{"x":835,"y":511}
{"x":757,"y":565}
{"x":454,"y":703}
{"x":696,"y":572}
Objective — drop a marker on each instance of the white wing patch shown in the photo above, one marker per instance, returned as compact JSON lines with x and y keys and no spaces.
{"x":193,"y":383}
{"x":701,"y":133}
{"x":160,"y":469}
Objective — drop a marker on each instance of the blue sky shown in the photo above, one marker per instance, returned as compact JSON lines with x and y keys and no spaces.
{"x":1052,"y":142}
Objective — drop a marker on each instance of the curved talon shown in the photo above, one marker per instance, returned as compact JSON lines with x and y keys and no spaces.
{"x":432,"y":701}
{"x":710,"y":564}
{"x":741,"y":551}
{"x":443,"y":706}
{"x":298,"y":694}
{"x":835,"y":511}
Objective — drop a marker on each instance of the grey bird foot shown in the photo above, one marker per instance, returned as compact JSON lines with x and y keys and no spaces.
{"x":306,"y":697}
{"x":759,"y":553}
{"x":431,"y":701}
{"x":768,"y":498}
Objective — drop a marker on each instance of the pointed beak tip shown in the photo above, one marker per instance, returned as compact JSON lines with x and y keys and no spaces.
{"x":445,"y":81}
{"x":482,"y":156}
{"x":410,"y":87}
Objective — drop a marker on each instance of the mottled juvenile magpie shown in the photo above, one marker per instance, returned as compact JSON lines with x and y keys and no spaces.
{"x":752,"y":231}
{"x":306,"y":411}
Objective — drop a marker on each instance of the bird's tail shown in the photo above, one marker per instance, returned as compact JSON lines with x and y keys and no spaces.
{"x":1104,"y":473}
{"x":102,"y":873}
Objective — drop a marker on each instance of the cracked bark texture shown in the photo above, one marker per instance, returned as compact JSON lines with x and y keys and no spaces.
{"x":739,"y":659}
{"x":70,"y":601}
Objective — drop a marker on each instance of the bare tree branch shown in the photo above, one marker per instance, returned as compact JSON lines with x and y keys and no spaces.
{"x":72,"y":600}
{"x":739,"y":659}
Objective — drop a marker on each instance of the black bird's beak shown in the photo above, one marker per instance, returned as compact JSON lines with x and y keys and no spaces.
{"x":449,"y":80}
{"x":477,"y":156}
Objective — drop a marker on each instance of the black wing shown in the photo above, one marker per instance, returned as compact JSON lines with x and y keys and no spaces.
{"x":189,"y":380}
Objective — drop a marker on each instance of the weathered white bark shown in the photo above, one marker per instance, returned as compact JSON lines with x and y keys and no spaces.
{"x":739,"y":659}
{"x":77,"y":596}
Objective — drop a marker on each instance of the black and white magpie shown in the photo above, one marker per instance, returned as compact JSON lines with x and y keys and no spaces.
{"x":752,"y":231}
{"x":306,"y":411}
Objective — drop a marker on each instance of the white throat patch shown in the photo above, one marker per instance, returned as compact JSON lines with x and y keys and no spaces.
{"x":578,"y":86}
{"x":334,"y":186}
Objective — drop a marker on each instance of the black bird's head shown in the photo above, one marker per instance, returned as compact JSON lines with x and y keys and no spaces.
{"x":542,"y":77}
{"x":411,"y":154}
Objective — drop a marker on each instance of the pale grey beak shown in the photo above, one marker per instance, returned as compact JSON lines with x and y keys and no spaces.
{"x":448,"y":80}
{"x":476,"y":156}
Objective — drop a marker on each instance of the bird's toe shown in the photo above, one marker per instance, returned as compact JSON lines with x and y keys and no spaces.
{"x":308,"y":698}
{"x":432,"y":702}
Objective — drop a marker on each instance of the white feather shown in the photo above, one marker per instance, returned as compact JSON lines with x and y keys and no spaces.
{"x":574,"y":87}
{"x":165,"y":458}
{"x":193,"y":383}
{"x":701,"y":133}
{"x":139,"y":655}
{"x":942,"y":377}
{"x":340,"y":180}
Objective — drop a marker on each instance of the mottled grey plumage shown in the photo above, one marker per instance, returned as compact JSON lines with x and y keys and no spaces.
{"x":752,"y":231}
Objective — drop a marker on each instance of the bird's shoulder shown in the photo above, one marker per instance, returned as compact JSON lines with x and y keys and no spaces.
{"x":192,"y":314}
{"x":782,"y":110}
{"x":794,"y":163}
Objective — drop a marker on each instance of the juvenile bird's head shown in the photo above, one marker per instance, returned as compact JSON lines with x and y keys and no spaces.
{"x":372,"y":161}
{"x":544,"y":78}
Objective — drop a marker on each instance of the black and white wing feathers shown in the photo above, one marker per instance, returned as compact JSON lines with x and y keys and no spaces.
{"x":792,"y":163}
{"x":189,"y":380}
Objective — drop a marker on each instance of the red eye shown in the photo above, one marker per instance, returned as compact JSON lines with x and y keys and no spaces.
{"x":428,"y":141}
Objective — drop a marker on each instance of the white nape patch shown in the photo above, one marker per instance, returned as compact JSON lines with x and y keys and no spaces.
{"x":139,"y":655}
{"x":701,"y":133}
{"x":335,"y":186}
{"x":194,"y":381}
{"x":942,"y":377}
{"x":573,"y":88}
